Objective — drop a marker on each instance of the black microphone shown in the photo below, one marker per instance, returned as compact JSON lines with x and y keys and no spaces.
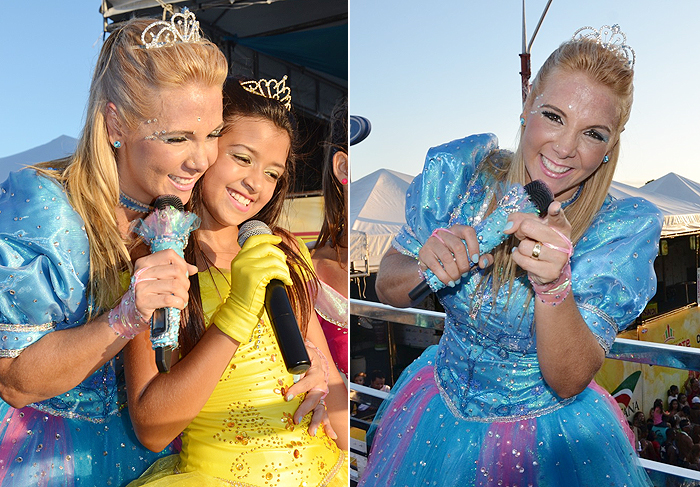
{"x":284,"y":323}
{"x":534,"y":197}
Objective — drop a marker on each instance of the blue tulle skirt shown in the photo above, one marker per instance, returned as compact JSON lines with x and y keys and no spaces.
{"x":417,"y":441}
{"x":38,"y":449}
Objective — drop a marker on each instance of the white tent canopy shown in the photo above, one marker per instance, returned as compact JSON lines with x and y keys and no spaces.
{"x":376,"y":215}
{"x":678,"y":199}
{"x":377,"y":210}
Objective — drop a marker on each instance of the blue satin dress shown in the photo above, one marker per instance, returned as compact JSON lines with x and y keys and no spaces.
{"x":474,"y":410}
{"x":83,"y":437}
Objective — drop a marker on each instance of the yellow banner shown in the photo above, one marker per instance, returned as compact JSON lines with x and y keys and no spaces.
{"x":680,"y":328}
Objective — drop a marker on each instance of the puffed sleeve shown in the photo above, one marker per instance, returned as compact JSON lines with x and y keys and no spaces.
{"x":435,"y":192}
{"x":44,"y":261}
{"x":613,"y":266}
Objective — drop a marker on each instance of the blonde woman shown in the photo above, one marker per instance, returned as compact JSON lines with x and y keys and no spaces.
{"x":152,"y":125}
{"x":507,"y":396}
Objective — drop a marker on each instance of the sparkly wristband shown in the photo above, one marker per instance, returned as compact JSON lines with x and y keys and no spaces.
{"x":324,"y":367}
{"x":125,"y":320}
{"x":554,"y":292}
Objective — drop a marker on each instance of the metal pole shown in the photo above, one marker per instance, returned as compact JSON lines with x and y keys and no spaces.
{"x":525,"y":65}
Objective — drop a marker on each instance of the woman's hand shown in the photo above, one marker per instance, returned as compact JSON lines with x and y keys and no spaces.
{"x":545,"y":244}
{"x":315,"y":385}
{"x":451,"y":252}
{"x":161,"y":280}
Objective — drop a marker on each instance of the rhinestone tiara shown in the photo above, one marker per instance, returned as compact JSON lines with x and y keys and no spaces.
{"x":611,"y":38}
{"x":277,"y":90}
{"x":183,"y":27}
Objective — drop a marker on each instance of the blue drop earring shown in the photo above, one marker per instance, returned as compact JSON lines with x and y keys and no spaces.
{"x":522,"y":121}
{"x":117,"y":144}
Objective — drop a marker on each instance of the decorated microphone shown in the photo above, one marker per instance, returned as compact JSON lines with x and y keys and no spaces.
{"x":535,"y":197}
{"x":168,"y":227}
{"x":282,"y":318}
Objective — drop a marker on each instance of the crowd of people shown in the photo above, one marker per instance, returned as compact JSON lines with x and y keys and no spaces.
{"x":670,"y":432}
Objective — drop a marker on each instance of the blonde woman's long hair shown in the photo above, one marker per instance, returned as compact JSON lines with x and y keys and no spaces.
{"x":129,"y":76}
{"x":600,"y":65}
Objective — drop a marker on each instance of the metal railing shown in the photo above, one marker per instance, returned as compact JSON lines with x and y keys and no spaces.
{"x":623,"y":349}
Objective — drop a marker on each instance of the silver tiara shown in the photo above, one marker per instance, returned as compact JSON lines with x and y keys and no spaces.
{"x":183,"y":27}
{"x":609,"y":37}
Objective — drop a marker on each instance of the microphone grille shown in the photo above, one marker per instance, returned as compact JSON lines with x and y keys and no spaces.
{"x":163,"y":201}
{"x":540,"y":195}
{"x":250,"y":228}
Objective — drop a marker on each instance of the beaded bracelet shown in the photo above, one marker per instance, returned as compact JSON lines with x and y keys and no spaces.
{"x":125,"y":319}
{"x":554,"y":292}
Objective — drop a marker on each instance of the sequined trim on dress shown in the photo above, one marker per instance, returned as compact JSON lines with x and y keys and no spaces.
{"x":605,"y":317}
{"x":329,"y":319}
{"x":495,"y":419}
{"x":19,"y":328}
{"x":71,"y":415}
{"x":400,"y":248}
{"x":13,"y":327}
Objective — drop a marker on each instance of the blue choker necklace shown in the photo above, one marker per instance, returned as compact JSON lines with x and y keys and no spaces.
{"x":131,"y":204}
{"x":566,"y":203}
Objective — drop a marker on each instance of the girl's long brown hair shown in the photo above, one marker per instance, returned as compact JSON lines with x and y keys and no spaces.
{"x":240,"y":103}
{"x":334,"y":206}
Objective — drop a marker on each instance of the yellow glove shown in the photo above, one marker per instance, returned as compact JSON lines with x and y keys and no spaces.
{"x":258,"y":262}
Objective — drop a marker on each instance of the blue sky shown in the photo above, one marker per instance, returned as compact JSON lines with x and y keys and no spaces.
{"x":48,"y":50}
{"x":425,"y":73}
{"x":422,"y":72}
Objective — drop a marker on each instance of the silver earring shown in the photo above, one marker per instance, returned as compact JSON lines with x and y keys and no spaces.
{"x":117,"y":144}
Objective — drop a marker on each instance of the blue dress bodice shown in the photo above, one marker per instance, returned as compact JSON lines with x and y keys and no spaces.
{"x":44,"y":270}
{"x":486,"y":364}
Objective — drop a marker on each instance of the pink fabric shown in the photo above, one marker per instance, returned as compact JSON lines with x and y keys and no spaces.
{"x":422,"y":386}
{"x":616,"y":410}
{"x":513,"y":452}
{"x":337,"y":338}
{"x":21,"y":431}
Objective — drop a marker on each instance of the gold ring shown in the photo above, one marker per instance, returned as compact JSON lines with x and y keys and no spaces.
{"x":536,"y":250}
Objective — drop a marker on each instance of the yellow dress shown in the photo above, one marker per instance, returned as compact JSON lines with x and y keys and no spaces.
{"x":245,"y":434}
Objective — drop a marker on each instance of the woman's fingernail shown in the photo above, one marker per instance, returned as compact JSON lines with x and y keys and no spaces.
{"x":475,"y":258}
{"x":451,"y":284}
{"x":459,"y":279}
{"x":313,"y":432}
{"x":512,"y":251}
{"x":289,"y":397}
{"x":508,"y":226}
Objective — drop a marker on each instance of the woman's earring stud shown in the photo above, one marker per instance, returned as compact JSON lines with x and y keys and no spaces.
{"x":117,"y":144}
{"x":605,"y":159}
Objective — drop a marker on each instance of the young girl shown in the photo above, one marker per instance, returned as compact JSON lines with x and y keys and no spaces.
{"x":230,"y":391}
{"x":330,"y":251}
